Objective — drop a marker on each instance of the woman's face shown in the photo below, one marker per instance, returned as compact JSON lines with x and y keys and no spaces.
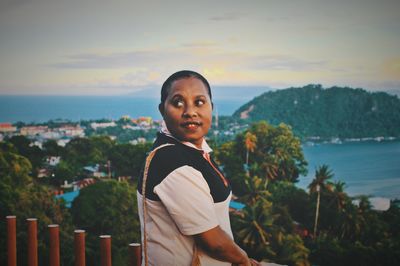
{"x":187,"y":110}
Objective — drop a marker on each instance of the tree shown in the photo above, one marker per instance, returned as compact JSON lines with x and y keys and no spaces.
{"x":292,"y":251}
{"x":339,"y":196}
{"x":64,"y":172}
{"x":108,"y":207}
{"x":256,"y":190}
{"x":278,"y":155}
{"x":297,"y":201}
{"x":250,"y":141}
{"x":322,"y":175}
{"x":33,"y":153}
{"x":127,"y":159}
{"x":253,"y":229}
{"x":51,"y":148}
{"x":80,"y":152}
{"x":264,"y":230}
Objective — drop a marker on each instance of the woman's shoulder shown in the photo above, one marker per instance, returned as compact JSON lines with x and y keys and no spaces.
{"x":169,"y":153}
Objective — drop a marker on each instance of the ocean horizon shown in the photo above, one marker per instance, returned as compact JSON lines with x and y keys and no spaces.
{"x":40,"y":109}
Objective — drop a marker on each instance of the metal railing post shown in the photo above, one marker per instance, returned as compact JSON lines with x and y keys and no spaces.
{"x":32,"y":242}
{"x":105,"y":250}
{"x":79,"y":244}
{"x":12,"y":240}
{"x":135,"y":254}
{"x":54,"y":245}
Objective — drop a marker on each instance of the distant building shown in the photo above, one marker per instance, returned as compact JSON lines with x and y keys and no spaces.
{"x":143,"y":121}
{"x":94,"y":171}
{"x":63,"y":142}
{"x":66,"y":185}
{"x":43,"y":172}
{"x":137,"y":141}
{"x":53,"y":160}
{"x":102,"y":125}
{"x":7,"y":128}
{"x":33,"y":130}
{"x":131,"y":127}
{"x":37,"y":143}
{"x":84,"y":183}
{"x":50,"y":135}
{"x":72,"y":131}
{"x":68,"y":197}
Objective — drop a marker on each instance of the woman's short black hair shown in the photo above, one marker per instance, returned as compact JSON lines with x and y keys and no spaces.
{"x":181,"y":75}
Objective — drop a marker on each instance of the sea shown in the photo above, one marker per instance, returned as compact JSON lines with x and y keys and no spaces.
{"x":38,"y":109}
{"x":367,"y":167}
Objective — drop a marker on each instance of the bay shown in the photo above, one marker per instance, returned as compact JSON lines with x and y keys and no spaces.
{"x":367,"y":167}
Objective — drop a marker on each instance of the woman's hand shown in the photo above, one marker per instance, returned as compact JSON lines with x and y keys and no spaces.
{"x":219,"y":245}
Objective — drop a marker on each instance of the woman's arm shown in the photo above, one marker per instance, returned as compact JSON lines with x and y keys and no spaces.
{"x":220,"y":245}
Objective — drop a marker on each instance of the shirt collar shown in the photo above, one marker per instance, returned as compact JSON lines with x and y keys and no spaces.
{"x":204,"y":145}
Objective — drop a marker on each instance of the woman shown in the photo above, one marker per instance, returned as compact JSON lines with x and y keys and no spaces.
{"x":185,"y":219}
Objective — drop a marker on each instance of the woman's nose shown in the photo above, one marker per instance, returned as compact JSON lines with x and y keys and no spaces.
{"x":190,"y":111}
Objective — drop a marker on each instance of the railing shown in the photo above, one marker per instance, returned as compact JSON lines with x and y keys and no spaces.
{"x":79,"y":246}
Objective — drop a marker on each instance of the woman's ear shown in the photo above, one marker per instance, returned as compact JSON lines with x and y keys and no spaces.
{"x":161,"y":109}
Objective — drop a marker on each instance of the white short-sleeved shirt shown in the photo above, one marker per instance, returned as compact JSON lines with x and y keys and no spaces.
{"x":185,"y":195}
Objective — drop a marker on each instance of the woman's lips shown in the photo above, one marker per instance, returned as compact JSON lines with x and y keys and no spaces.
{"x":191,"y":125}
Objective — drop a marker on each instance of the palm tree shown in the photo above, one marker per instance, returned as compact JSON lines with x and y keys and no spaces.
{"x":322,"y":175}
{"x":254,"y":228}
{"x":250,"y":141}
{"x":364,"y":205}
{"x":351,"y":222}
{"x":256,"y":190}
{"x":339,"y":196}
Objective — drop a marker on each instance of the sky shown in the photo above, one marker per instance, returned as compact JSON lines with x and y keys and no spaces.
{"x":88,"y":47}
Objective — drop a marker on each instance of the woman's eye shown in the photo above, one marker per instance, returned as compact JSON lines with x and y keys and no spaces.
{"x":178,"y":103}
{"x":200,"y":102}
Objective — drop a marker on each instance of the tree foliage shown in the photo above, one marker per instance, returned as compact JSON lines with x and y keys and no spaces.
{"x":277,"y":155}
{"x":108,"y":208}
{"x":21,"y":196}
{"x":127,"y":159}
{"x":33,"y":153}
{"x":265,"y":230}
{"x":81,"y":152}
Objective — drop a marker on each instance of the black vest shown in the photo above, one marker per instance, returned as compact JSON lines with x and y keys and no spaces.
{"x":169,"y":158}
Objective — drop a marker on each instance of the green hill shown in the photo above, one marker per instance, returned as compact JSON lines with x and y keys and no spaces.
{"x":327,"y":112}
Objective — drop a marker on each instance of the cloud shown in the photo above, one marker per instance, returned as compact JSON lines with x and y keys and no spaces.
{"x":112,"y":60}
{"x":132,"y":59}
{"x":227,"y":17}
{"x":284,"y":62}
{"x":391,"y":68}
{"x":141,"y":77}
{"x":10,"y":4}
{"x":200,"y":44}
{"x":198,"y":54}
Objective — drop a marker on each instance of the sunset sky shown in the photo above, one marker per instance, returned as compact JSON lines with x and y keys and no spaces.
{"x":90,"y":47}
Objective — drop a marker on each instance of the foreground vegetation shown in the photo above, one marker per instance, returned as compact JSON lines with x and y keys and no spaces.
{"x":280,"y":222}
